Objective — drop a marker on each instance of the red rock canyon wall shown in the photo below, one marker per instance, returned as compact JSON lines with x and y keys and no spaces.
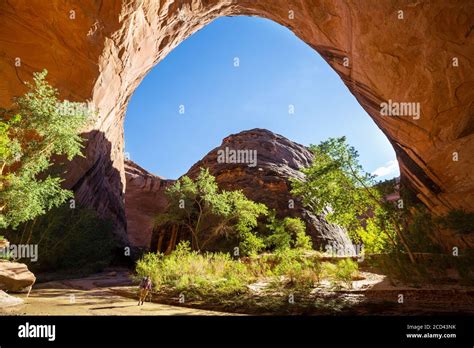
{"x":99,"y":51}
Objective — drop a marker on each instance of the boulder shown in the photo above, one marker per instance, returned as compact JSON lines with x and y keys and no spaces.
{"x":15,"y":277}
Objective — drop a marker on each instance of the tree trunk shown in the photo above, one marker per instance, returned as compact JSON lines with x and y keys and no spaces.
{"x":172,"y":242}
{"x":160,"y":241}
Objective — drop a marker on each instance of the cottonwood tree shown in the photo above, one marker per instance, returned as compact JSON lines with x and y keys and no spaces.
{"x":287,"y":233}
{"x":208,"y":213}
{"x":36,"y":129}
{"x":336,"y":185}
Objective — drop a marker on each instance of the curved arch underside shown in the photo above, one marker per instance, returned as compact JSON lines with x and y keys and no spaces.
{"x":103,"y":53}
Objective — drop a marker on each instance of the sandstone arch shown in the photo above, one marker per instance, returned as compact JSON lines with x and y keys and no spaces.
{"x":101,"y":50}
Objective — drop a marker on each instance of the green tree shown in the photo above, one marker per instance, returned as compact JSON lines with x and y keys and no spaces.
{"x":36,"y":129}
{"x":208,"y":213}
{"x":337,"y":186}
{"x":287,"y":233}
{"x":373,"y":240}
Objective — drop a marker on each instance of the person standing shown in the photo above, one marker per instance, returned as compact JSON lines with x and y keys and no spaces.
{"x":144,"y":289}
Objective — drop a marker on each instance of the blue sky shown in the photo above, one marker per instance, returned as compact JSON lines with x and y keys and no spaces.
{"x":276,"y":69}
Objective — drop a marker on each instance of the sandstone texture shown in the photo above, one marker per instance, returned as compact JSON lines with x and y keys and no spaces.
{"x":15,"y":277}
{"x":144,"y":200}
{"x":99,"y":51}
{"x":278,"y":160}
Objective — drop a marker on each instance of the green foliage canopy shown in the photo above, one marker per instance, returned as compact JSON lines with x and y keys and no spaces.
{"x":208,"y":213}
{"x":37,"y":127}
{"x":287,"y":233}
{"x":337,"y":186}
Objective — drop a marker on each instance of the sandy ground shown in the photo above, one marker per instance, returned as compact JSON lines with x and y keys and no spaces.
{"x":113,"y":293}
{"x":93,"y":295}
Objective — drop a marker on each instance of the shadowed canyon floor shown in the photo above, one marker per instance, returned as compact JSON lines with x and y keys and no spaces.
{"x":112,"y":293}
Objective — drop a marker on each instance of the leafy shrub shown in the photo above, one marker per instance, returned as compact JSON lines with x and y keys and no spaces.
{"x":302,"y":272}
{"x":251,"y":244}
{"x":328,"y":270}
{"x":374,"y":240}
{"x":198,"y":274}
{"x":74,"y":240}
{"x":287,"y":233}
{"x":303,"y":241}
{"x":280,"y":237}
{"x":217,"y":274}
{"x":343,"y":271}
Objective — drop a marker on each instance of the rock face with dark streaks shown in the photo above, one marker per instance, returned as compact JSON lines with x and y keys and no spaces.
{"x":267,"y":180}
{"x":144,"y":200}
{"x":102,"y":53}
